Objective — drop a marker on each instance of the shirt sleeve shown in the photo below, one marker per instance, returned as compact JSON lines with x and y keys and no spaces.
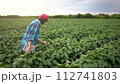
{"x":32,"y":32}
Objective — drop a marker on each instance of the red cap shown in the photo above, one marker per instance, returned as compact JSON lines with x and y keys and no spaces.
{"x":44,"y":16}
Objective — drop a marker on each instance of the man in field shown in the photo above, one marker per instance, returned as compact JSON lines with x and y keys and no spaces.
{"x":31,"y":36}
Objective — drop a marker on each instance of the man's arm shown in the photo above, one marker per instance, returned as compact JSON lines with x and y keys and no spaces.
{"x":28,"y":48}
{"x":45,"y":42}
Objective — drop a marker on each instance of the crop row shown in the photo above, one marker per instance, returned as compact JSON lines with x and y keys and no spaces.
{"x":69,"y":51}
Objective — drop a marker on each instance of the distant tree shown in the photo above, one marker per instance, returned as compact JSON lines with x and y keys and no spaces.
{"x":13,"y":16}
{"x":101,"y":16}
{"x":70,"y":16}
{"x":115,"y":16}
{"x":79,"y":15}
{"x":74,"y":16}
{"x":88,"y":15}
{"x":106,"y":16}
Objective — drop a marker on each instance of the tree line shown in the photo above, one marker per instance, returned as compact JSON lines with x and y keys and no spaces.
{"x":87,"y":15}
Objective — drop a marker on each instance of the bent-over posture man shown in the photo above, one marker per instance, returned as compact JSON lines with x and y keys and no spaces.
{"x":31,"y":36}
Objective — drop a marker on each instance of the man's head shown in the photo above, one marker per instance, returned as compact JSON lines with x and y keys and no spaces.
{"x":43,"y":18}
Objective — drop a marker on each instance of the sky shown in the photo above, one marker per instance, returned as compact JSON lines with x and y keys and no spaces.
{"x":58,"y":7}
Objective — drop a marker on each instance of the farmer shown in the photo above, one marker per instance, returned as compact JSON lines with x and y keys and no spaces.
{"x":31,"y":35}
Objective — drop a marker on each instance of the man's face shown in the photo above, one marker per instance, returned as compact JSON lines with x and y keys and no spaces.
{"x":43,"y":21}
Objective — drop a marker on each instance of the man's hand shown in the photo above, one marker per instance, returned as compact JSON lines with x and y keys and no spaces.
{"x":45,"y":42}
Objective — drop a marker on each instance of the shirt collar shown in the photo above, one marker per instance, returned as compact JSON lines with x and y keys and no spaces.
{"x":38,"y":21}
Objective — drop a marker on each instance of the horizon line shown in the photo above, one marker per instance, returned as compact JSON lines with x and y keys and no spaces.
{"x":59,"y":14}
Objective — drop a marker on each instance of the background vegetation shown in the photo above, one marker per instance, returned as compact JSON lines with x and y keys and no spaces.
{"x":88,"y":15}
{"x":73,"y":43}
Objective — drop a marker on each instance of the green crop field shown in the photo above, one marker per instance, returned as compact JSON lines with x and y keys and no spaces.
{"x":73,"y":43}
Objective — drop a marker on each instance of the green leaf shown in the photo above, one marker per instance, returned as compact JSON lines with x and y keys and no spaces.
{"x":2,"y":64}
{"x":85,"y":65}
{"x":118,"y":59}
{"x":39,"y":58}
{"x":112,"y":58}
{"x":54,"y":61}
{"x":94,"y":65}
{"x":59,"y":65}
{"x":44,"y":63}
{"x":37,"y":62}
{"x":49,"y":63}
{"x":30,"y":61}
{"x":62,"y":61}
{"x":2,"y":58}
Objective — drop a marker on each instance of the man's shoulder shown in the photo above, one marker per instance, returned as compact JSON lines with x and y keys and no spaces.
{"x":36,"y":21}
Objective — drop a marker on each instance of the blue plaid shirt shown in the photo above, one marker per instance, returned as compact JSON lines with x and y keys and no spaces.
{"x":32,"y":33}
